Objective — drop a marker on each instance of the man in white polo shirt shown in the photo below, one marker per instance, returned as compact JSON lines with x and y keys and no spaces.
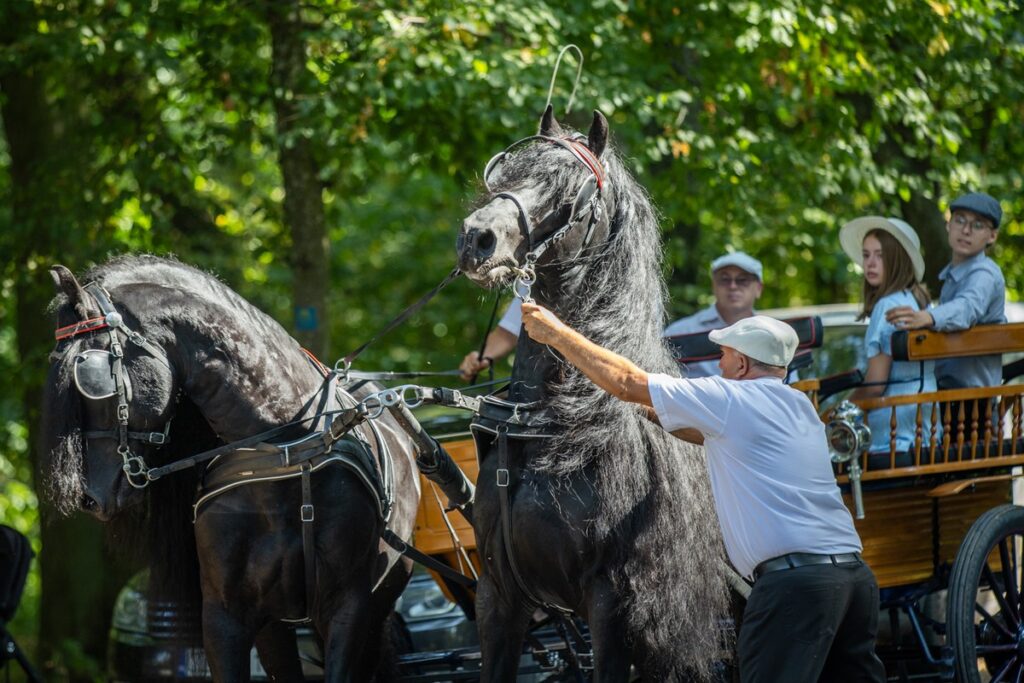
{"x":813,"y":612}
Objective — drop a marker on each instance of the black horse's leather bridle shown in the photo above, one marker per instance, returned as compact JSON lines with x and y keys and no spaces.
{"x":100,"y":375}
{"x":586,"y":205}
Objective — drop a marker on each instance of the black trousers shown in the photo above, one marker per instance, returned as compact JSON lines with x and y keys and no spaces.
{"x":812,"y":624}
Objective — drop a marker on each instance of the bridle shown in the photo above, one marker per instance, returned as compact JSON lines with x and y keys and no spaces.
{"x":100,"y":375}
{"x":587,"y":204}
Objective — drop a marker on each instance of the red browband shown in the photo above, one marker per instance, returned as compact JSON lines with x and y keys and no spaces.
{"x":80,"y":328}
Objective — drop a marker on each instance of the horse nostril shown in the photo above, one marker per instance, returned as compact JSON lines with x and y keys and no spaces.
{"x":485,"y":243}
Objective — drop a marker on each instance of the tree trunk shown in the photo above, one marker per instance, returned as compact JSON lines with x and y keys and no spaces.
{"x":78,"y":585}
{"x":303,"y":202}
{"x":923,"y":214}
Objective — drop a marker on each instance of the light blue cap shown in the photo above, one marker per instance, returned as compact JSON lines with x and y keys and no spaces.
{"x":741,"y":261}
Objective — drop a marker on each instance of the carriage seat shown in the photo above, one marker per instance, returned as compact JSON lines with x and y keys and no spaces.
{"x":697,"y":346}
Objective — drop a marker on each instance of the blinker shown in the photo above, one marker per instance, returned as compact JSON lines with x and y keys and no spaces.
{"x":94,"y":375}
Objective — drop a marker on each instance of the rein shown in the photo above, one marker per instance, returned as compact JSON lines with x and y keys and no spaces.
{"x":346,"y":362}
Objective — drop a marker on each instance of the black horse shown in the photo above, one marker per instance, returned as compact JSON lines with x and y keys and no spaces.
{"x":608,"y":516}
{"x":218,"y":370}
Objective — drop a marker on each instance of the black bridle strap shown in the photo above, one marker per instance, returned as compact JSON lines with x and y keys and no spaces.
{"x":401,"y":317}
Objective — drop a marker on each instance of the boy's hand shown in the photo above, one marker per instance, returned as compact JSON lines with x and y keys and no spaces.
{"x":541,"y":324}
{"x":907,"y":318}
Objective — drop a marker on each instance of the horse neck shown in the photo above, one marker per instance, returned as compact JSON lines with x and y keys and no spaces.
{"x":247,"y":382}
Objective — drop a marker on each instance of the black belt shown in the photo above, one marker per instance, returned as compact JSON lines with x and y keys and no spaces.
{"x":794,"y":560}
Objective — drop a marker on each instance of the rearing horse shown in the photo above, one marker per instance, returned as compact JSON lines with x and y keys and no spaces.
{"x":604,"y":513}
{"x":154,"y":342}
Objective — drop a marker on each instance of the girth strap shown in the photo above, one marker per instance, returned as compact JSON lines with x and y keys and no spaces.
{"x":306,"y":514}
{"x":504,"y":480}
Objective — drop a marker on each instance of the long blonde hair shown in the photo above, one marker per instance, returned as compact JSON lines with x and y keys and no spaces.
{"x":899,"y":275}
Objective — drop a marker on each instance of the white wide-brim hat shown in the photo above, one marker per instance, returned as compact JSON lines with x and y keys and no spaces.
{"x":851,"y":236}
{"x":762,"y":338}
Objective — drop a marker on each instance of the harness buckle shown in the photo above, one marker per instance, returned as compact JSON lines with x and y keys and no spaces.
{"x":306,"y":513}
{"x":157,"y":438}
{"x":115,"y":349}
{"x":122,"y":413}
{"x":503,"y":478}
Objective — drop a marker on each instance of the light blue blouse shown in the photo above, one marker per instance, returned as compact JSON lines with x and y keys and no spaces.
{"x":905,"y":377}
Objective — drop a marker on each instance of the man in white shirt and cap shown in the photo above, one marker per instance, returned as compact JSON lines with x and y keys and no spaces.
{"x":737,"y":283}
{"x":736,"y":280}
{"x":813,"y":612}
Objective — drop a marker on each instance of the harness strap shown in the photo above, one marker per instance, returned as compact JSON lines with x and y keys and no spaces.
{"x":427,"y":561}
{"x":506,"y":525}
{"x":307,"y":515}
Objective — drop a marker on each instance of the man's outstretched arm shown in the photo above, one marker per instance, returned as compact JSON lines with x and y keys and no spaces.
{"x":619,"y":376}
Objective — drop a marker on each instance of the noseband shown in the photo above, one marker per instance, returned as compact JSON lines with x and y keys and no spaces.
{"x":587,"y":203}
{"x":99,"y":375}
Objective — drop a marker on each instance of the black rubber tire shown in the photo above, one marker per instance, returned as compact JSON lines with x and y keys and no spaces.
{"x":985,"y":642}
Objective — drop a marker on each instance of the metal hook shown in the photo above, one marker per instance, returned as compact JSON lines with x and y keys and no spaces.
{"x":554,"y":75}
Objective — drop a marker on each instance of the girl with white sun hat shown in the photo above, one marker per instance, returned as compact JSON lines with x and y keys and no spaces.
{"x":888,"y":250}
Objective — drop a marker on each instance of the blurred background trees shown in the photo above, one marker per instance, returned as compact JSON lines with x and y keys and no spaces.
{"x":320,"y":156}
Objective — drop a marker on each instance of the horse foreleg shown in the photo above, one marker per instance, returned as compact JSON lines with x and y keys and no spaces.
{"x":279,"y":653}
{"x":608,"y":635}
{"x":346,"y":637}
{"x":227,"y":642}
{"x":502,"y":627}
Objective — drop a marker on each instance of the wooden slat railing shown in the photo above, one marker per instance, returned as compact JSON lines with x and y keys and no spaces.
{"x":970,"y":429}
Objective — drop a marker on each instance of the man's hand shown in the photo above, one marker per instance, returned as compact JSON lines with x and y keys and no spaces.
{"x":472,"y":365}
{"x":907,"y":318}
{"x":541,"y":324}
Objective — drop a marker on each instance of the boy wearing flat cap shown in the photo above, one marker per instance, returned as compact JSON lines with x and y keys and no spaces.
{"x":973,"y":291}
{"x":782,"y":517}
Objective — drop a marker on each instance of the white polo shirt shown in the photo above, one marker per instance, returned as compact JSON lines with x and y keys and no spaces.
{"x":773,"y":485}
{"x":512,"y":319}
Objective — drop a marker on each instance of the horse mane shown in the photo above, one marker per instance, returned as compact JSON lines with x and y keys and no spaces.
{"x":654,"y":497}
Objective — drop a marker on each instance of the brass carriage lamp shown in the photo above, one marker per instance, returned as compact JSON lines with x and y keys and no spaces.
{"x":848,"y":438}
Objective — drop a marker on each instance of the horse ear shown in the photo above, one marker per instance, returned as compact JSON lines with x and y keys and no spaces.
{"x":597,"y":138}
{"x":66,"y":284}
{"x":548,"y":125}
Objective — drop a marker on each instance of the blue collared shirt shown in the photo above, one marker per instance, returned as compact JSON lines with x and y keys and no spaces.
{"x":973,"y":293}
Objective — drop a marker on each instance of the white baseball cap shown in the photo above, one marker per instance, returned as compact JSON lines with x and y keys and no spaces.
{"x":851,"y":236}
{"x":761,"y":337}
{"x":741,"y":261}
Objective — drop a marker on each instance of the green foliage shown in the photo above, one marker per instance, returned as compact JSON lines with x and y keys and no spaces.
{"x":760,"y":125}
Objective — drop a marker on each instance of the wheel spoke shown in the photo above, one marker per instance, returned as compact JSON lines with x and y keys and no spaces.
{"x":1002,"y":672}
{"x":994,"y":649}
{"x":992,"y":621}
{"x":1010,"y":577}
{"x":1005,"y":609}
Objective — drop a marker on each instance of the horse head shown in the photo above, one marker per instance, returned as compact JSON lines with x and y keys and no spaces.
{"x":549,"y":203}
{"x":111,"y":394}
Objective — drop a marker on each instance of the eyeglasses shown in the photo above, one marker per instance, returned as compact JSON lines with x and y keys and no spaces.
{"x":725,"y":281}
{"x":961,"y":221}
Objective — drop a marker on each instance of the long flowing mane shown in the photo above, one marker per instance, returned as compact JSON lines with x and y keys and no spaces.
{"x":654,"y":495}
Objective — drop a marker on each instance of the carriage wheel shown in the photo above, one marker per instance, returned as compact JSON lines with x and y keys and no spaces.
{"x":985,"y":615}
